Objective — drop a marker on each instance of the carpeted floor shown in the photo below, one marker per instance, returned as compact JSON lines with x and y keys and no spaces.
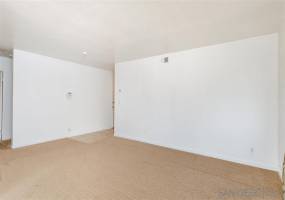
{"x":6,"y":144}
{"x":109,"y":168}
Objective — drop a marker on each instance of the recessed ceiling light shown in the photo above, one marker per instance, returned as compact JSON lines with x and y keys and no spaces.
{"x":84,"y":53}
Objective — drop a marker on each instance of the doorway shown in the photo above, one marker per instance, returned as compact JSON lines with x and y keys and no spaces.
{"x":4,"y":144}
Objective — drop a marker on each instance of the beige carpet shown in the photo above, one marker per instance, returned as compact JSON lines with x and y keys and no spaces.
{"x":118,"y":169}
{"x":6,"y":144}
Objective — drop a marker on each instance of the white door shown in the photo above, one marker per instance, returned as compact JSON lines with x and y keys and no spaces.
{"x":1,"y":105}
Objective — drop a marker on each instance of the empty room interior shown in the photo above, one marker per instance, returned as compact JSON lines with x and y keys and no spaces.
{"x":142,"y":100}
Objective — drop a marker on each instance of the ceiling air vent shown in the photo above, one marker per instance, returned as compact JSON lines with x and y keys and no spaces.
{"x":165,"y":60}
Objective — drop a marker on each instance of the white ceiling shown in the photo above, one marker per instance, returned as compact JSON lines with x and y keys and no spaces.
{"x":115,"y":31}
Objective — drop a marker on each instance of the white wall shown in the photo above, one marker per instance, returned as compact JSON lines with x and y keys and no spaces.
{"x":282,"y":94}
{"x":6,"y":67}
{"x":41,"y":109}
{"x":220,"y":101}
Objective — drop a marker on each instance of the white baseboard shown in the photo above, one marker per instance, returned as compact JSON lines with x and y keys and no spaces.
{"x":44,"y":140}
{"x":213,"y":155}
{"x":97,"y":131}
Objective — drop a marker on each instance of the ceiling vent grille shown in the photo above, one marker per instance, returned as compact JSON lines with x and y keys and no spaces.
{"x":165,"y":60}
